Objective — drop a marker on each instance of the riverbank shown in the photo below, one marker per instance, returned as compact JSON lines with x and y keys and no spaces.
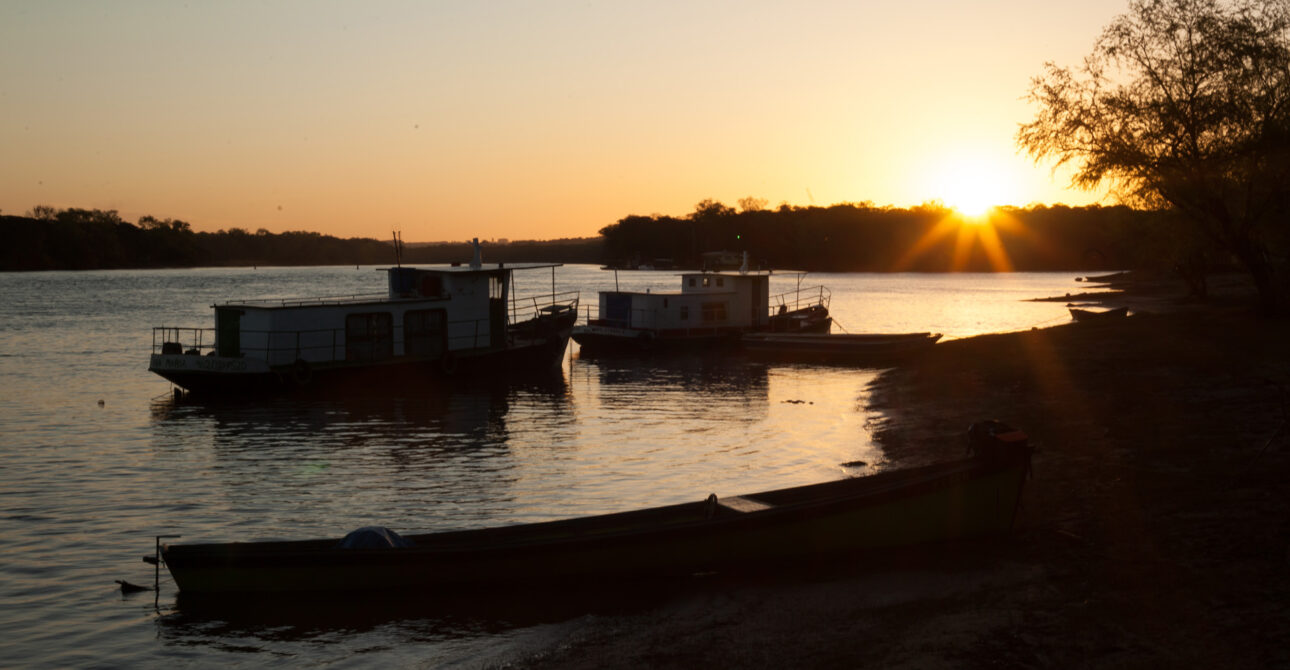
{"x":1153,"y":534}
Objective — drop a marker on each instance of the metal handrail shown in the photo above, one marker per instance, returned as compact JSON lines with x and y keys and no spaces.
{"x":563,"y":298}
{"x":801,"y":298}
{"x":188,"y":341}
{"x":301,"y":302}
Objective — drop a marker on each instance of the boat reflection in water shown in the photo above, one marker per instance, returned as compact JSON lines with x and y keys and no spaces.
{"x":472,"y":623}
{"x":441,"y":458}
{"x":679,"y":383}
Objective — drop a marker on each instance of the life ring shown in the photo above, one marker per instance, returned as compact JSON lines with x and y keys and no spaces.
{"x":301,"y":373}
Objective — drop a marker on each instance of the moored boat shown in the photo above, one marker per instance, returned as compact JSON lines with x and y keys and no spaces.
{"x":839,"y":348}
{"x":972,"y":497}
{"x":1087,"y":315}
{"x":712,"y":310}
{"x":431,"y":322}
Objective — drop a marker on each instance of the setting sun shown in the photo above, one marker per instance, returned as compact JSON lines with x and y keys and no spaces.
{"x":970,"y":187}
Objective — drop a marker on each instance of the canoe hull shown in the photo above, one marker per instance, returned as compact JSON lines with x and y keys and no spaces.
{"x":1093,"y":316}
{"x":972,"y":498}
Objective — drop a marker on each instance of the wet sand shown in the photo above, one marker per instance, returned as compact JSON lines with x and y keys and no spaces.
{"x":1154,"y":533}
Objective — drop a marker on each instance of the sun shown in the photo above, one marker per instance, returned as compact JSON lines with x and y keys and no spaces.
{"x":972,"y":188}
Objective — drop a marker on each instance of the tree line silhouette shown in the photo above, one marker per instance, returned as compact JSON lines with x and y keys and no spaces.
{"x":839,"y":238}
{"x":92,"y":239}
{"x":927,"y":238}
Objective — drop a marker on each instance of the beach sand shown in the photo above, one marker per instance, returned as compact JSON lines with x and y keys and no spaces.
{"x":1155,"y":531}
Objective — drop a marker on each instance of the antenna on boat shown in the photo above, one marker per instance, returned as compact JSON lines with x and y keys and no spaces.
{"x":476,"y":261}
{"x":743,"y":269}
{"x":398,"y":250}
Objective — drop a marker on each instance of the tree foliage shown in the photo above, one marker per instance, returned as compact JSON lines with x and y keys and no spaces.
{"x":1184,"y":105}
{"x":862,"y":237}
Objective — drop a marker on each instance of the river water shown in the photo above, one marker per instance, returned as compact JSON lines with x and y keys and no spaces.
{"x":98,"y":457}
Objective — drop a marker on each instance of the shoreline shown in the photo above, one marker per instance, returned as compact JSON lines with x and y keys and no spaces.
{"x":1153,"y":533}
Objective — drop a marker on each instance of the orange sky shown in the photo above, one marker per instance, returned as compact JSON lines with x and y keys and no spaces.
{"x":522,"y":120}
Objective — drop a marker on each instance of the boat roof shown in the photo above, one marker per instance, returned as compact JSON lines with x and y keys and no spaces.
{"x":464,"y":268}
{"x":736,"y":273}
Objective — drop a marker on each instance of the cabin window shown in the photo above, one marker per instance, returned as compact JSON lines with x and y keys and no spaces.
{"x":685,"y":312}
{"x":423,"y":333}
{"x":664,"y":303}
{"x":691,"y":282}
{"x":369,"y":337}
{"x":495,"y":287}
{"x":721,"y":281}
{"x":707,"y":281}
{"x":431,"y":286}
{"x":714,"y":312}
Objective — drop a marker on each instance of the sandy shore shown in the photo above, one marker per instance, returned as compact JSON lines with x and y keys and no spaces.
{"x":1155,"y":532}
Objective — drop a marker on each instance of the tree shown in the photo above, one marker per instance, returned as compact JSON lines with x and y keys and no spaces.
{"x":751,"y":204}
{"x":1185,"y":105}
{"x":43,"y":213}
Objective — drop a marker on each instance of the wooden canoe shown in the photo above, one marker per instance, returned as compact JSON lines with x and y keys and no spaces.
{"x":971,"y":497}
{"x":1086,"y":315}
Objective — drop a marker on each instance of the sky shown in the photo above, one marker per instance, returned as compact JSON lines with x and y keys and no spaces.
{"x":521,"y":120}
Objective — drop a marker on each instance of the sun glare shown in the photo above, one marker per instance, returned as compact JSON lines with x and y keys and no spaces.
{"x":970,"y":188}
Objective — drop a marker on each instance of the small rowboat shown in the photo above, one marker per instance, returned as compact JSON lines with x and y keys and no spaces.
{"x":838,"y":348}
{"x":972,"y":497}
{"x":1086,"y":315}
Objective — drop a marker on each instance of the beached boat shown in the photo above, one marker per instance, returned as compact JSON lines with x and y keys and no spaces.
{"x":713,"y":309}
{"x":973,"y":497}
{"x":1087,"y":315}
{"x":839,"y":348}
{"x":431,"y":322}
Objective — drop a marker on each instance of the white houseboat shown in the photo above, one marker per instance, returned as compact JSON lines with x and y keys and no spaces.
{"x":713,"y":309}
{"x":432,"y":322}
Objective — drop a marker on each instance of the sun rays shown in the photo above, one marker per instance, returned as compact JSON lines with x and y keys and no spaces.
{"x":970,"y":236}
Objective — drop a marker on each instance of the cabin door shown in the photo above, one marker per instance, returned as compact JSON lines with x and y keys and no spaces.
{"x":228,"y":332}
{"x":497,"y":311}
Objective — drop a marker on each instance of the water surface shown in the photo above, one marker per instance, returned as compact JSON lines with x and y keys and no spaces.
{"x":98,"y":457}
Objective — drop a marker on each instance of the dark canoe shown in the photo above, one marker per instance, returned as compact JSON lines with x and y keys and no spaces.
{"x":838,"y":347}
{"x":973,"y":497}
{"x":1084,"y":315}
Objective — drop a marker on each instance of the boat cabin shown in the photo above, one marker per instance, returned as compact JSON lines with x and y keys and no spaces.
{"x":425,"y":313}
{"x":706,"y":300}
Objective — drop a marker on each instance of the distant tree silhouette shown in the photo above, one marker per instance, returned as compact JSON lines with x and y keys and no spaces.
{"x":751,"y":204}
{"x":1185,"y":105}
{"x":861,"y":237}
{"x":86,"y":239}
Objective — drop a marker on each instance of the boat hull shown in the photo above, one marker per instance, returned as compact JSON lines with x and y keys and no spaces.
{"x":1092,"y":316}
{"x":971,"y":498}
{"x":536,"y":350}
{"x":598,"y":338}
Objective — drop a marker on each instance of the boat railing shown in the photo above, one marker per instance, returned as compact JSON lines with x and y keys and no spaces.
{"x":543,"y":304}
{"x":321,"y":345}
{"x":176,"y":340}
{"x":304,"y":302}
{"x":800,"y":298}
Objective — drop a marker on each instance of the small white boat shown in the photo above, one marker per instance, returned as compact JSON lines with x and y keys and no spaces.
{"x":713,"y":309}
{"x":1087,"y":315}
